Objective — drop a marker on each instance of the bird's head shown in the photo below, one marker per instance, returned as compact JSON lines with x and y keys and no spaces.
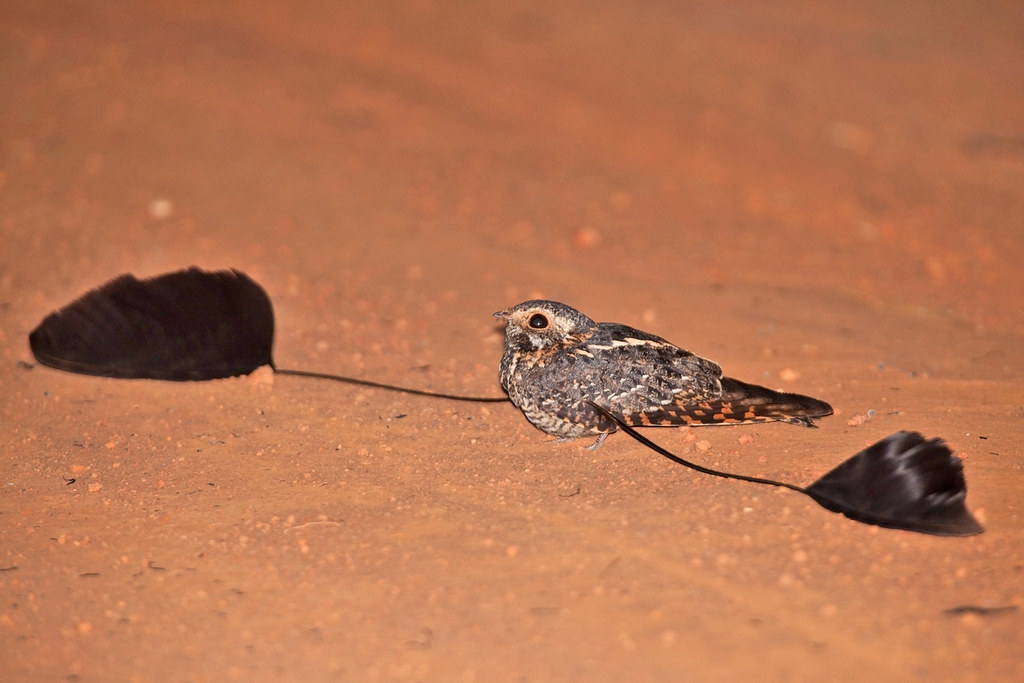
{"x":537,"y":325}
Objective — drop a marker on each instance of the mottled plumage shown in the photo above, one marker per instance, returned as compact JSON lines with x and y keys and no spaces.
{"x":556,"y":360}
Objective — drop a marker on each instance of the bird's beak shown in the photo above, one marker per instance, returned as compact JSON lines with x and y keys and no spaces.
{"x":501,"y":314}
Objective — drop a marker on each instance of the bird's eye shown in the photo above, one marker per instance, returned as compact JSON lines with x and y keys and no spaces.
{"x":538,"y":321}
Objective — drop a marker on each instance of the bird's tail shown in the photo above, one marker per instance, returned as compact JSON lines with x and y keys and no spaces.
{"x":753,"y":403}
{"x":740,"y":403}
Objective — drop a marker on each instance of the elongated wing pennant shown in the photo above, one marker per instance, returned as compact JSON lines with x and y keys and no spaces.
{"x":182,"y":326}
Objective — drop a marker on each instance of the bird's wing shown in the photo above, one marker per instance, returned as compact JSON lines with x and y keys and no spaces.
{"x":636,"y":372}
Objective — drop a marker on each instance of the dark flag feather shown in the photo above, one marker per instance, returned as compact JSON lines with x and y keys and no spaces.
{"x":901,"y":482}
{"x":182,"y":326}
{"x":188,"y":325}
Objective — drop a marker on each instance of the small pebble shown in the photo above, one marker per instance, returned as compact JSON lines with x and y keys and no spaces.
{"x":587,"y":238}
{"x":161,"y":209}
{"x":789,"y":375}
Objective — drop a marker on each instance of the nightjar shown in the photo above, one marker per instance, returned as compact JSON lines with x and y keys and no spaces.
{"x":557,"y":360}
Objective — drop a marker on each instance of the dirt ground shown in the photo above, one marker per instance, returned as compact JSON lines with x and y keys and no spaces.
{"x":825,"y":199}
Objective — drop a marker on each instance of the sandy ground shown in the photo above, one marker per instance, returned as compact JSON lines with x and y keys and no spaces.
{"x":826,"y":200}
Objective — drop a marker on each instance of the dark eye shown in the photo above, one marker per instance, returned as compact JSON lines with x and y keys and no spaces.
{"x":538,"y":321}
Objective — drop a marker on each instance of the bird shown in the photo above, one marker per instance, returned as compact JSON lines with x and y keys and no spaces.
{"x":557,"y":363}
